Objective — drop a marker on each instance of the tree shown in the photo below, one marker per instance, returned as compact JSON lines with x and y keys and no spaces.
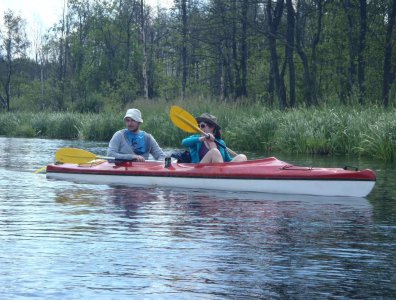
{"x":349,"y":12}
{"x":388,"y":77}
{"x":14,"y":46}
{"x":244,"y":49}
{"x":289,"y":49}
{"x":361,"y":48}
{"x":144,"y":46}
{"x":273,"y":19}
{"x":183,"y":11}
{"x":310,"y":36}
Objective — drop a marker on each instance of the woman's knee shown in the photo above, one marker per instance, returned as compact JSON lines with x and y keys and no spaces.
{"x":212,"y":156}
{"x":214,"y":151}
{"x":215,"y":155}
{"x":239,"y":157}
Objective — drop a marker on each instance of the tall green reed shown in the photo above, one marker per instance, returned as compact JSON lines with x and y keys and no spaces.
{"x":369,"y":132}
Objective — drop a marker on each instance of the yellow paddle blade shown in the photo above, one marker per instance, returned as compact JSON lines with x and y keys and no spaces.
{"x":74,"y":156}
{"x":40,"y":170}
{"x":183,"y":119}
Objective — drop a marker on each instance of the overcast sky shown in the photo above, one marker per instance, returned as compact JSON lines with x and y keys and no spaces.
{"x":42,"y":14}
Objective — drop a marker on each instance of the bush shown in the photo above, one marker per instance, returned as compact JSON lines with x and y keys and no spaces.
{"x":339,"y":130}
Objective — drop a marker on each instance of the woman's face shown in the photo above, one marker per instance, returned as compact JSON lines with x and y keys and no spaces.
{"x":206,"y":127}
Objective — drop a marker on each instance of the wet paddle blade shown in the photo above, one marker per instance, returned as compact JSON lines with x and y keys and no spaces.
{"x":74,"y":156}
{"x":41,"y":170}
{"x":183,"y":119}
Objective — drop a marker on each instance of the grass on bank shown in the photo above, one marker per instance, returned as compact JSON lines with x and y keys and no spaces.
{"x":369,"y":132}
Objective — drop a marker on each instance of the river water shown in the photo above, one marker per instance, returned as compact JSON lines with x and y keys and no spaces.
{"x":64,"y":240}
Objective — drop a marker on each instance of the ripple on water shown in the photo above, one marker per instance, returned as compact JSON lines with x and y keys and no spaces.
{"x":67,"y":240}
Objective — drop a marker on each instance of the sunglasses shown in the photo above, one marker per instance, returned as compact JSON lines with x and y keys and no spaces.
{"x":202,"y":125}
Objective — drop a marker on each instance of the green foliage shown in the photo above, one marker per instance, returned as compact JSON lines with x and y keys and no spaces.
{"x":36,"y":96}
{"x":97,"y":64}
{"x":99,"y":127}
{"x":380,"y":139}
{"x":25,"y":130}
{"x":8,"y":123}
{"x":162,"y":129}
{"x":257,"y":133}
{"x":43,"y":123}
{"x":356,"y":131}
{"x":64,"y":125}
{"x":93,"y":103}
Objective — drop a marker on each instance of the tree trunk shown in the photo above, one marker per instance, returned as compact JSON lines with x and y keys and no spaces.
{"x":273,"y":23}
{"x":230,"y":75}
{"x":352,"y":47}
{"x":9,"y":73}
{"x":244,"y":51}
{"x":222,"y":79}
{"x":184,"y":47}
{"x":290,"y":51}
{"x":271,"y":87}
{"x":361,"y":48}
{"x":144,"y":67}
{"x":310,"y":86}
{"x":62,"y":58}
{"x":387,"y":76}
{"x":14,"y":42}
{"x":8,"y":83}
{"x":235,"y":52}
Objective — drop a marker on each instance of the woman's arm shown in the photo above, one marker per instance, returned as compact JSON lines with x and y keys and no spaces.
{"x":191,"y":140}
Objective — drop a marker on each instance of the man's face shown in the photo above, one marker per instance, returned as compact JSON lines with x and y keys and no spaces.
{"x":132,"y":124}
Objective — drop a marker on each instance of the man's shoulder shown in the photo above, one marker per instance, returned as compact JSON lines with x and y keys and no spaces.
{"x":119,"y":133}
{"x":146,"y":134}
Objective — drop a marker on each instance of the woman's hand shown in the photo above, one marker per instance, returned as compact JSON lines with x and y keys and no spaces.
{"x":207,"y":137}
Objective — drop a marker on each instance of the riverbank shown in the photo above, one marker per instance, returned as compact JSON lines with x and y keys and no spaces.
{"x":370,"y":132}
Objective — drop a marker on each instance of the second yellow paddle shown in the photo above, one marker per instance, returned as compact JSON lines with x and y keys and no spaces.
{"x":76,"y":156}
{"x":185,"y":121}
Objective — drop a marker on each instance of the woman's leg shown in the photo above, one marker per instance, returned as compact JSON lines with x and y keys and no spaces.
{"x":212,"y":156}
{"x":239,"y":157}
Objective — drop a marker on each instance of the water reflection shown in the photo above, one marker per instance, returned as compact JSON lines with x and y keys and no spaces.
{"x":222,"y":213}
{"x":383,"y":198}
{"x":68,"y":240}
{"x":227,"y":241}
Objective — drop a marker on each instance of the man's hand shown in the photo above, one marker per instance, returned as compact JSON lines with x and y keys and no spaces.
{"x":138,"y":158}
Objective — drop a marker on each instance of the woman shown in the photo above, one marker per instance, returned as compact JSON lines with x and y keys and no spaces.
{"x":203,"y":148}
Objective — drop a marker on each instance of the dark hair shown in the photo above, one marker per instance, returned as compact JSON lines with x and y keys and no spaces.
{"x":217,"y":133}
{"x":216,"y":129}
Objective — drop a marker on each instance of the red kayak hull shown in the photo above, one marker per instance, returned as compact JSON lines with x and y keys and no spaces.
{"x":260,"y":170}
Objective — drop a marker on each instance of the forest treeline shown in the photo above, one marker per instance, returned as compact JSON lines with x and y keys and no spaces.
{"x":104,"y":54}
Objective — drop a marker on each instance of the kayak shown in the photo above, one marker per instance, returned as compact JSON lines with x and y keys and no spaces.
{"x":267,"y":175}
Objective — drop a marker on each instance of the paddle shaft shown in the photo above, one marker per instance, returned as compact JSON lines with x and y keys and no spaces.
{"x":79,"y":156}
{"x":205,"y":134}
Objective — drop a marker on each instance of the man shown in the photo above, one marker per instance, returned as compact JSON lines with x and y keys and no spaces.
{"x":132,"y":143}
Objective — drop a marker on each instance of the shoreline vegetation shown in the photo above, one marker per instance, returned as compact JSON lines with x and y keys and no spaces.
{"x":364,"y":131}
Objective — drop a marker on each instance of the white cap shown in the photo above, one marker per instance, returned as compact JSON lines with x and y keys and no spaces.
{"x":134,"y":114}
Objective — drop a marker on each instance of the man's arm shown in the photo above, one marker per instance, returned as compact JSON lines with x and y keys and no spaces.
{"x":155,"y":149}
